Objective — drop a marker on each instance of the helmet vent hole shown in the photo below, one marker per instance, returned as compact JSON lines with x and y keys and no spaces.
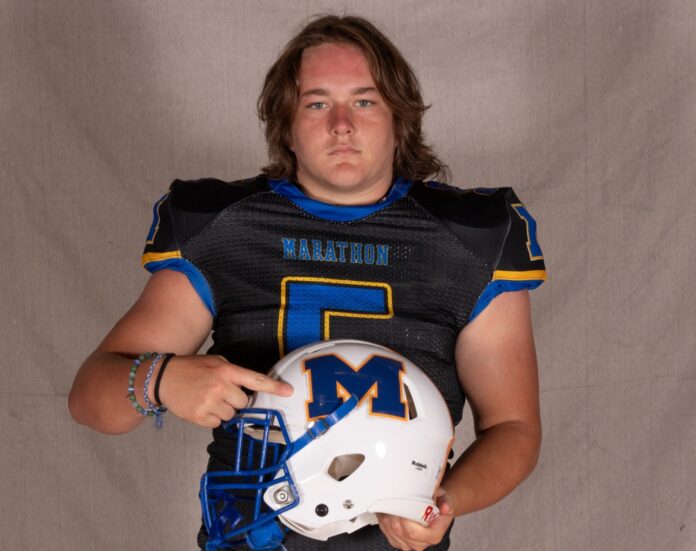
{"x":343,"y":466}
{"x":410,"y":404}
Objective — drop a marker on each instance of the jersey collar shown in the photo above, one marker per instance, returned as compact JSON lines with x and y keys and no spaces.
{"x":338,"y":213}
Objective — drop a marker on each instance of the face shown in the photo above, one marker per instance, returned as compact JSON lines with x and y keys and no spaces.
{"x":342,"y":132}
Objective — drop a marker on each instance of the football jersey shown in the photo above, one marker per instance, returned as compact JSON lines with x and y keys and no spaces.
{"x":279,"y":270}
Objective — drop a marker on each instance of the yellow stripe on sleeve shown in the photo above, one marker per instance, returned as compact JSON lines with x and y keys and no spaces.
{"x":156,"y":257}
{"x":526,"y":275}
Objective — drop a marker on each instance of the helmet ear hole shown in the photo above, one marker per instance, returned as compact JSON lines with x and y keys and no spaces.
{"x":410,"y":404}
{"x":343,"y":466}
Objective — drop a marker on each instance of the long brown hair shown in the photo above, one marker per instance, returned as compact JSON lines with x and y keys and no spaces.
{"x":395,"y":80}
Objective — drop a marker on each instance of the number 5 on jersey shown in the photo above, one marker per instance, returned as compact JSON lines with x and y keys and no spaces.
{"x":307,"y":305}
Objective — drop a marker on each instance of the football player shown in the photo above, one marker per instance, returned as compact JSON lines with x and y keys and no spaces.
{"x":341,"y":236}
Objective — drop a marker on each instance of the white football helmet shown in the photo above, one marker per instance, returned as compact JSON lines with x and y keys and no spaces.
{"x":364,"y":432}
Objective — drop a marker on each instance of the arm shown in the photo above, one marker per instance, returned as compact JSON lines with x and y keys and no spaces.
{"x":167,"y":317}
{"x":497,"y":369}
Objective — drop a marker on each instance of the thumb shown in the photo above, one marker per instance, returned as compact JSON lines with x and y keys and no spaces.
{"x":444,"y":502}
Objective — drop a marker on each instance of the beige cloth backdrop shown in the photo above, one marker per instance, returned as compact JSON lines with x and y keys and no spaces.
{"x":587,"y":108}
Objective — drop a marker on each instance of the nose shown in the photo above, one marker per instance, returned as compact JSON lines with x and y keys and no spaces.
{"x":341,"y":121}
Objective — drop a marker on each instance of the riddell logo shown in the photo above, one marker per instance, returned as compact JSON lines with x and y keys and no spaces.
{"x":419,"y":466}
{"x":429,"y":515}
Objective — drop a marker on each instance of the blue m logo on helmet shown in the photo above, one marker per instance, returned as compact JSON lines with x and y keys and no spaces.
{"x":332,"y":380}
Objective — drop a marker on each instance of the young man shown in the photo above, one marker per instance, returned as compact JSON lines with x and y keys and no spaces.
{"x":342,"y":204}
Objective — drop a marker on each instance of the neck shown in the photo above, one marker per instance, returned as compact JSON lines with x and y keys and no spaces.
{"x":348,"y":196}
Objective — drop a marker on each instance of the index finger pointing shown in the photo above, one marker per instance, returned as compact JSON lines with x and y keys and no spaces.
{"x":253,"y":380}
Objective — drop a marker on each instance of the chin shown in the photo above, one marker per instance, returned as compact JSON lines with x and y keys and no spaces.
{"x":346,"y":176}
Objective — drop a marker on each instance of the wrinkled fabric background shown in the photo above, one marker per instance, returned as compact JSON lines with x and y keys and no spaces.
{"x":586,"y":107}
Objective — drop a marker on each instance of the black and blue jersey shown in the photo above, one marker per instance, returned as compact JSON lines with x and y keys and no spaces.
{"x":279,"y":270}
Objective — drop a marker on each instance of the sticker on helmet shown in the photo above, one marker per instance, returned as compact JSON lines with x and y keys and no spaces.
{"x":379,"y":379}
{"x":430,"y":514}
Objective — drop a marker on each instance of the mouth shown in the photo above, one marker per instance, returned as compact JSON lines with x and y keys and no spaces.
{"x":343,"y":150}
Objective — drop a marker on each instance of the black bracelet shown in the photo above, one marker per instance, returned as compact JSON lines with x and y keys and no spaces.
{"x":165,"y":361}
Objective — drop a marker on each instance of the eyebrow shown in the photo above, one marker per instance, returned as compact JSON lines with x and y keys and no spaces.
{"x":324,"y":92}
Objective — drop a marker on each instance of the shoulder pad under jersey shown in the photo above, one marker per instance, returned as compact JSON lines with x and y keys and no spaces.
{"x":189,"y":206}
{"x":181,"y":213}
{"x":493,"y":224}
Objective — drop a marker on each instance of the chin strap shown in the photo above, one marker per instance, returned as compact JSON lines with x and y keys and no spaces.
{"x":266,"y":537}
{"x":322,"y":425}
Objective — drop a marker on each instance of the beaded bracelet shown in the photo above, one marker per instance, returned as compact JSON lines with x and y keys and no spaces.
{"x":151,"y":409}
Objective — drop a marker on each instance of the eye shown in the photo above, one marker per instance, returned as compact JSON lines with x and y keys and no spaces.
{"x":365,"y":103}
{"x":316,"y":105}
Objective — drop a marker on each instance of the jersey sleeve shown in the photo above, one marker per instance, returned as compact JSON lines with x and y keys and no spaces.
{"x":520,"y":262}
{"x":162,"y":246}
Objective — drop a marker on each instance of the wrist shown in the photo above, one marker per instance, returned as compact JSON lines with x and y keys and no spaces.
{"x":155,"y":388}
{"x":140,"y":383}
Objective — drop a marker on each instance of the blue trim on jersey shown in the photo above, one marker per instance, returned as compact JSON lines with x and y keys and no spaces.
{"x":338,"y":213}
{"x":498,"y":287}
{"x":155,"y":218}
{"x":194,"y":275}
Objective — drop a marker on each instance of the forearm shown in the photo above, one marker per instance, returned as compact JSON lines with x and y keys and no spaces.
{"x":167,"y":317}
{"x":494,"y":465}
{"x":99,"y":396}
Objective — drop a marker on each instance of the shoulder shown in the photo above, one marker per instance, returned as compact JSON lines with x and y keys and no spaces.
{"x":478,"y":207}
{"x":494,"y":225}
{"x":190,"y":205}
{"x":486,"y":220}
{"x":187,"y":208}
{"x":212,"y":195}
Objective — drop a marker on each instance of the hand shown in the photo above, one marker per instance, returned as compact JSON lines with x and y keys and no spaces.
{"x":207,"y":390}
{"x":409,"y":535}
